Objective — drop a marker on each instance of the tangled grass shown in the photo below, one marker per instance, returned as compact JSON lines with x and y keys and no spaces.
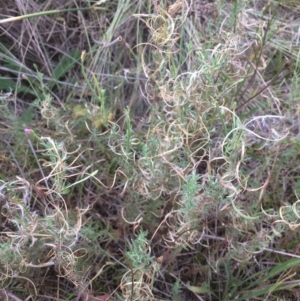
{"x":149,"y":150}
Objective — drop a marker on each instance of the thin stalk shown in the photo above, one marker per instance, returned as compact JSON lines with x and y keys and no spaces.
{"x":44,"y":13}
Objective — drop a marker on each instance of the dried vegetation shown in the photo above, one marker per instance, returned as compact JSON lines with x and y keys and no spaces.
{"x":149,"y":150}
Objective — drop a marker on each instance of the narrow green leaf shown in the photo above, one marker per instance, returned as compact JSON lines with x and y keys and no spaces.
{"x":204,"y":289}
{"x":66,"y":63}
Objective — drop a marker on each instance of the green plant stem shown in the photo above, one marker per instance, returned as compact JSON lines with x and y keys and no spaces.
{"x":44,"y":13}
